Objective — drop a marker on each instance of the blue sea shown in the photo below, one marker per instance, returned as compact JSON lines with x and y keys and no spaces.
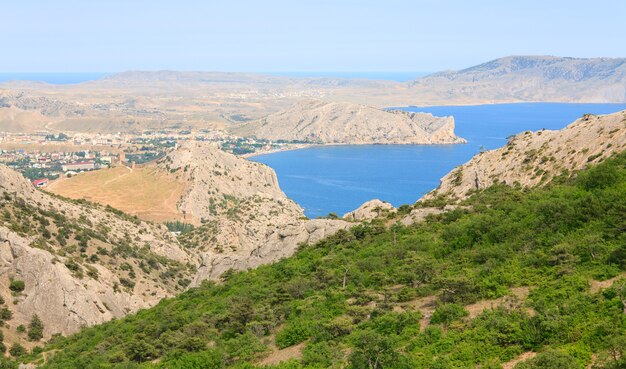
{"x":340,"y":178}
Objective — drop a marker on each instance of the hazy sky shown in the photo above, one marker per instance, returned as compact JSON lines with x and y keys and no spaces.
{"x":299,"y":35}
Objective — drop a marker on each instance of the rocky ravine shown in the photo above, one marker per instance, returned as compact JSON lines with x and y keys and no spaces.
{"x":318,"y":121}
{"x":243,"y":218}
{"x":80,"y":263}
{"x":533,"y":158}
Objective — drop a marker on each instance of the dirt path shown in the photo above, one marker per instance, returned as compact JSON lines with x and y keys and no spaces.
{"x":523,"y":357}
{"x":597,"y":286}
{"x":516,"y":297}
{"x":426,"y":306}
{"x":130,"y":170}
{"x":278,"y":356}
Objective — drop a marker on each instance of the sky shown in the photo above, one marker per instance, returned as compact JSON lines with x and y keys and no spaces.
{"x":300,"y":35}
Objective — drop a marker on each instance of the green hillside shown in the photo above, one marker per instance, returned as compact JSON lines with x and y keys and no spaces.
{"x":363,"y":298}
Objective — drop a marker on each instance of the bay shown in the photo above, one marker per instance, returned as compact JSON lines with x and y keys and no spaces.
{"x":340,"y":178}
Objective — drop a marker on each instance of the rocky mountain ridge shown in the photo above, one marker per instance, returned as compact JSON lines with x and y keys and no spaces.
{"x":534,"y":158}
{"x":243,"y":219}
{"x":531,"y":79}
{"x":325,"y":122}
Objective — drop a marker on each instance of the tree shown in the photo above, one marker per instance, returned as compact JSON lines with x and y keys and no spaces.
{"x":35,"y":329}
{"x":375,"y":351}
{"x":140,"y":351}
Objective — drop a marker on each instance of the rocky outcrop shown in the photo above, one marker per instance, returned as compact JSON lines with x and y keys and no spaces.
{"x":345,"y":123}
{"x":80,"y":263}
{"x":533,"y":158}
{"x":278,"y":243}
{"x":369,"y":210}
{"x":242,"y":217}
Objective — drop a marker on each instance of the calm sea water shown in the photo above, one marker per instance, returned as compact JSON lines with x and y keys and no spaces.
{"x":340,"y":178}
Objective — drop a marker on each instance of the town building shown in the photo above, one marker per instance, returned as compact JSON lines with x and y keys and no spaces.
{"x":78,"y":166}
{"x":42,"y":182}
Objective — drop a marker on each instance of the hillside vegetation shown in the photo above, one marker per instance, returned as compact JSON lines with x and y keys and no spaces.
{"x":513,"y":272}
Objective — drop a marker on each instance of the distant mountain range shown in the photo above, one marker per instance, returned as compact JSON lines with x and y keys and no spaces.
{"x":529,"y":78}
{"x":136,"y":100}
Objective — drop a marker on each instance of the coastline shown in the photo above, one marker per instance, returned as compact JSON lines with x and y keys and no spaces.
{"x":308,"y":146}
{"x":274,"y":151}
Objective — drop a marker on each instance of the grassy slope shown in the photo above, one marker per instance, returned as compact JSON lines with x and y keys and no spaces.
{"x":144,"y":191}
{"x":554,"y":240}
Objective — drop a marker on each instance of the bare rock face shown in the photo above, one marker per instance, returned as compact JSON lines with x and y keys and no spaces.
{"x":369,"y":210}
{"x":64,"y":302}
{"x":81,"y":264}
{"x":242,"y":217}
{"x":346,"y":123}
{"x":533,"y":158}
{"x":279,"y":243}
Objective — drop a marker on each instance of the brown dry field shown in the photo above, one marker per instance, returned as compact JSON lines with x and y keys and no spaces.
{"x":145,"y":191}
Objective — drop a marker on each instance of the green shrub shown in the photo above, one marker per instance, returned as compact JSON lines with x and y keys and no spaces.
{"x":17,"y":285}
{"x":35,"y":329}
{"x":17,"y":350}
{"x":551,"y":360}
{"x":5,"y":314}
{"x":448,"y":313}
{"x":292,"y":334}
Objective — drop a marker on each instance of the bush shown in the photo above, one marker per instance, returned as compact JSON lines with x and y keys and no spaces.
{"x":293,"y":334}
{"x":35,"y":329}
{"x":17,"y":350}
{"x":321,"y":355}
{"x":550,"y":359}
{"x":448,"y":313}
{"x":211,"y":359}
{"x":17,"y":285}
{"x":5,"y":314}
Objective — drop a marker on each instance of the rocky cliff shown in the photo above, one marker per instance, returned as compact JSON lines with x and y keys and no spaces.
{"x":80,"y":263}
{"x":533,"y":158}
{"x":318,"y":121}
{"x":242,"y":217}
